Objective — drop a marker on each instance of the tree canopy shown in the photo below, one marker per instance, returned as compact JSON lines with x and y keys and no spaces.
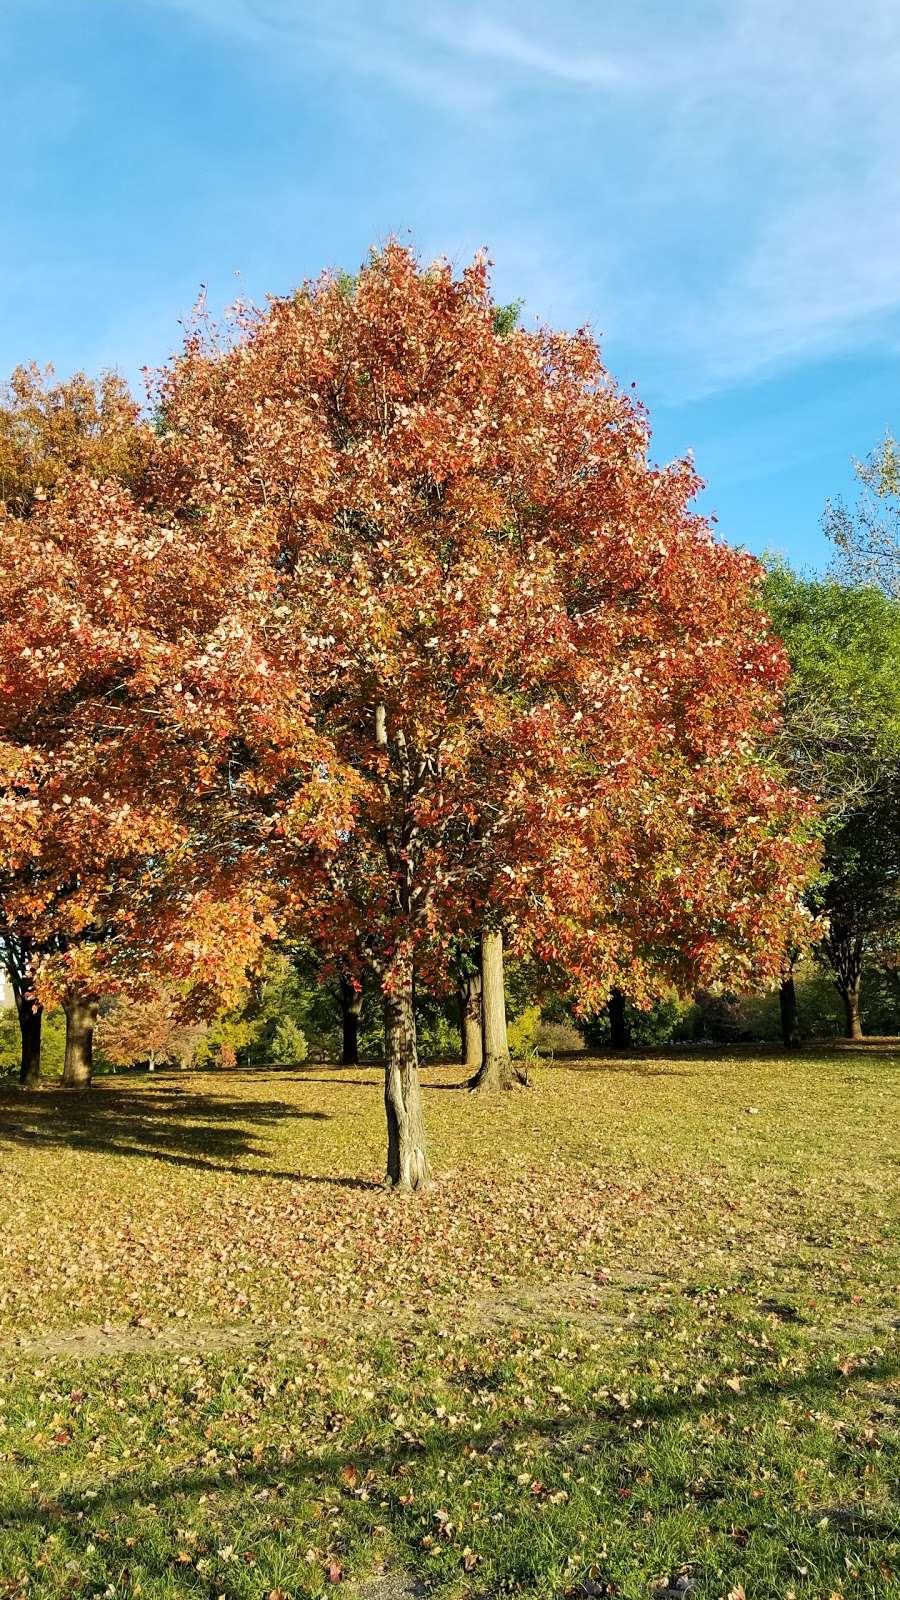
{"x":396,"y":636}
{"x":535,"y":680}
{"x":841,"y":740}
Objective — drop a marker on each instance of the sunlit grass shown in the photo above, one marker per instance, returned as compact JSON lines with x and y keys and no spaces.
{"x":642,"y":1331}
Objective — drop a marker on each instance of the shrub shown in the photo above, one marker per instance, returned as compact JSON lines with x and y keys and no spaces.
{"x":288,"y":1043}
{"x":522,"y":1031}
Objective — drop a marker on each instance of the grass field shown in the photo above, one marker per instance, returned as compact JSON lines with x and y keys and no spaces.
{"x":643,"y":1335}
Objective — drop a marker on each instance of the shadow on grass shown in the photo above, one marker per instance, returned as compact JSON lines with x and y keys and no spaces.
{"x":165,"y":1124}
{"x":608,"y":1432}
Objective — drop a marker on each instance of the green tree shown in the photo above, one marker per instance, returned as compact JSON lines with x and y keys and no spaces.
{"x":858,"y":894}
{"x":841,"y":742}
{"x":288,"y":1043}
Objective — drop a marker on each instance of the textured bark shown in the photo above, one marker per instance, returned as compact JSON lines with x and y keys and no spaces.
{"x":30,"y":1018}
{"x":407,"y":1162}
{"x":471,"y":1047}
{"x":844,"y":949}
{"x":81,"y":1018}
{"x":619,"y":1036}
{"x":496,"y":1070}
{"x":852,"y":1020}
{"x":787,"y":1002}
{"x":19,"y":957}
{"x":351,"y":1011}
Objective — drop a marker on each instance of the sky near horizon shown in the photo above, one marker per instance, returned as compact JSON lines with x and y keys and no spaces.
{"x":713,"y":186}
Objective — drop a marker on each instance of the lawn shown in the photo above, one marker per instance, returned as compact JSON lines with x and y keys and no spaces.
{"x":642,"y":1335}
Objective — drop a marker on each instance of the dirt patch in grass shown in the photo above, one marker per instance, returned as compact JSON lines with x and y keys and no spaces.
{"x":391,"y":1586}
{"x":580,"y":1303}
{"x":591,"y":1305}
{"x":89,"y":1342}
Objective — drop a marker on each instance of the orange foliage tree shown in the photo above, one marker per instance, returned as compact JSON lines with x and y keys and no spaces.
{"x":152,"y":1030}
{"x":48,"y":430}
{"x":534,"y":680}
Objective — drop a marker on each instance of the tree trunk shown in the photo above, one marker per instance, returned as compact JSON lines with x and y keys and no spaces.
{"x":619,"y":1036}
{"x":853,"y":1024}
{"x":468,"y":990}
{"x":496,"y":1070}
{"x":407,"y":1160}
{"x":30,"y":1018}
{"x":351,"y":1011}
{"x":787,"y":1002}
{"x":81,"y":1017}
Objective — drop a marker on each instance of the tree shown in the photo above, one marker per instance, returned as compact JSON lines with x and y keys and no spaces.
{"x":351,"y":997}
{"x":19,"y":958}
{"x":858,"y":894}
{"x":112,"y":613}
{"x":788,"y":1009}
{"x":48,"y":431}
{"x":840,"y":739}
{"x":841,"y":722}
{"x":466,"y":966}
{"x":151,"y":1030}
{"x":495,"y":1071}
{"x":618,"y":1026}
{"x":289,"y":1043}
{"x":537,"y":680}
{"x":868,"y":537}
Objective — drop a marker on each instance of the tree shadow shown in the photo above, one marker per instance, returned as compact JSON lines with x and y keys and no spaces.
{"x":168,"y":1124}
{"x":78,"y":1512}
{"x":337,"y":1080}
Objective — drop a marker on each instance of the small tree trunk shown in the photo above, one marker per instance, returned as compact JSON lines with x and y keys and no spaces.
{"x":496,"y":1071}
{"x":619,"y":1036}
{"x":853,"y":1024}
{"x":351,"y":1011}
{"x":787,"y":1003}
{"x":471,"y":1049}
{"x":81,"y":1017}
{"x":30,"y":1018}
{"x":407,"y":1159}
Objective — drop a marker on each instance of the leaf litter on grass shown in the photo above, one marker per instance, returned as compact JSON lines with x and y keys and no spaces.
{"x":575,"y":1346}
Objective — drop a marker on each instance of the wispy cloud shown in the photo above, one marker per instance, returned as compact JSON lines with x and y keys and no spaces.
{"x":498,"y":42}
{"x":733,"y":162}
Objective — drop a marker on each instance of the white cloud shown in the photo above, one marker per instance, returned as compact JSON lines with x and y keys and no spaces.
{"x":737,"y":159}
{"x":500,"y":42}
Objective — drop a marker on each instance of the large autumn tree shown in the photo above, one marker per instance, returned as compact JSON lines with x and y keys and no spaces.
{"x":536,"y":676}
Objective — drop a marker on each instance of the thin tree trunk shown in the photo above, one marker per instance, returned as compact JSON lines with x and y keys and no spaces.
{"x":19,"y":961}
{"x":351,"y":1011}
{"x":853,"y":1022}
{"x":787,"y":1003}
{"x":30,"y":1018}
{"x":496,"y":1070}
{"x":407,"y":1160}
{"x":619,"y":1036}
{"x":468,"y":991}
{"x":81,"y":1017}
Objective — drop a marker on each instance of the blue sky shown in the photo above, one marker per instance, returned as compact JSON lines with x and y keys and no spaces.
{"x":713,"y":185}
